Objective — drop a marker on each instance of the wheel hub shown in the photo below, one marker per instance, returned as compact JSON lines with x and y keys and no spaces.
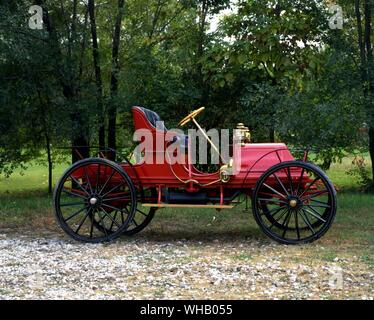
{"x":93,"y":201}
{"x":293,"y":203}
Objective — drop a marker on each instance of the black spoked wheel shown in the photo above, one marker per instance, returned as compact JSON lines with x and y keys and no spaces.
{"x":143,"y":216}
{"x":141,"y":219}
{"x":294,"y":202}
{"x":95,"y":200}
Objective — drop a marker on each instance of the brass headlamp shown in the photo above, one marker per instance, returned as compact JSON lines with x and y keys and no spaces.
{"x":242,"y":134}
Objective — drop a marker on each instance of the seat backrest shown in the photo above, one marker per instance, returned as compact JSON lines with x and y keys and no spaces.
{"x":146,"y":119}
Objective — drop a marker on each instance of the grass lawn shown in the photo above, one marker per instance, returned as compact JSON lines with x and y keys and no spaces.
{"x":34,"y":178}
{"x":26,"y":208}
{"x":24,"y":204}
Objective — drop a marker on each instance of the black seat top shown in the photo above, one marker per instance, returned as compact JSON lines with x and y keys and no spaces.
{"x":153,"y":117}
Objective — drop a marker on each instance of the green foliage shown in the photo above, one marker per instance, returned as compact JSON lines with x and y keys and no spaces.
{"x":360,"y":171}
{"x":274,"y":65}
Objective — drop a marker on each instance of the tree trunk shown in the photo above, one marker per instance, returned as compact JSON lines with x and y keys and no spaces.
{"x":99,"y":82}
{"x":200,"y":52}
{"x":79,"y":138}
{"x":366,"y":57}
{"x":271,"y":135}
{"x":371,"y":148}
{"x":361,"y":44}
{"x":50,"y":163}
{"x":112,"y":109}
{"x":45,"y":117}
{"x":370,"y":82}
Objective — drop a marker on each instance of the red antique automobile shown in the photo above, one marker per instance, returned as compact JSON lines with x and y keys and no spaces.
{"x":98,"y":200}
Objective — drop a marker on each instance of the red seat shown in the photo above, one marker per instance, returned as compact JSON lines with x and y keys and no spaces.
{"x":146,"y":119}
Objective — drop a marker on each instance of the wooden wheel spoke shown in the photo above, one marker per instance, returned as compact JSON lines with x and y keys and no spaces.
{"x":281,"y":184}
{"x":309,"y":186}
{"x":277,"y":220}
{"x":73,"y":193}
{"x":127,"y":210}
{"x":297,"y":224}
{"x":274,"y":211}
{"x":318,"y":201}
{"x":107,"y":181}
{"x":272,"y":200}
{"x":83,"y":220}
{"x":319,"y":205}
{"x":299,"y":182}
{"x":79,"y":185}
{"x":114,"y":188}
{"x":71,"y":204}
{"x":315,"y":214}
{"x":111,"y":207}
{"x":92,"y":216}
{"x":141,"y":212}
{"x":88,"y":179}
{"x":117,"y":198}
{"x":268,"y":194}
{"x":288,"y":172}
{"x":97,"y":178}
{"x":275,"y":191}
{"x":102,"y":221}
{"x":316,"y":194}
{"x":285,"y":227}
{"x":134,"y":221}
{"x":111,"y":218}
{"x":75,"y":214}
{"x":114,"y":218}
{"x":306,"y":220}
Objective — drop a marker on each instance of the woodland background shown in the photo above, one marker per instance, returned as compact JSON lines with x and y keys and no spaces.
{"x":275,"y":65}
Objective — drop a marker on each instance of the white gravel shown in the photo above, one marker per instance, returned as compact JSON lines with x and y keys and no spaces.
{"x":51,"y":266}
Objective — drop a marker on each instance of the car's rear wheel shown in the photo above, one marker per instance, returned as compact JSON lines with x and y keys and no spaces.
{"x":95,"y":200}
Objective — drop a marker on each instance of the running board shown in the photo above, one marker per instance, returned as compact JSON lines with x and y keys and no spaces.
{"x":172,"y":205}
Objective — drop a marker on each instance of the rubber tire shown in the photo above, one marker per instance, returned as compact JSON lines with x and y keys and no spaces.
{"x":329,"y":185}
{"x":60,"y":184}
{"x":145,"y":223}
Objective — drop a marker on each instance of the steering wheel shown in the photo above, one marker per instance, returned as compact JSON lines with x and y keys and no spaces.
{"x":192,"y":115}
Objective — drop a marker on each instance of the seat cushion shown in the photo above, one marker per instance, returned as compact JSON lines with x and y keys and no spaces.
{"x":153,"y":117}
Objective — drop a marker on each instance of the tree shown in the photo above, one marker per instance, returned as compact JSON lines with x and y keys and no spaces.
{"x":112,"y":108}
{"x":364,"y":34}
{"x":272,"y":64}
{"x":66,"y":72}
{"x":99,"y":81}
{"x":277,"y":42}
{"x":28,"y":119}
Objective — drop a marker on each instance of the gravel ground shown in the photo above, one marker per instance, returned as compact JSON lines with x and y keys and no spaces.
{"x":51,"y":266}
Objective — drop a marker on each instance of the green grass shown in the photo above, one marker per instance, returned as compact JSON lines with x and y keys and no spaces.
{"x":338,"y":174}
{"x":25,"y":206}
{"x":18,"y":209}
{"x":23,"y":196}
{"x":23,"y":202}
{"x":34,"y":178}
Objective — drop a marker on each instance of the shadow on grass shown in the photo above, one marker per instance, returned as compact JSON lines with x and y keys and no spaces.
{"x":212,"y":236}
{"x":32,"y":211}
